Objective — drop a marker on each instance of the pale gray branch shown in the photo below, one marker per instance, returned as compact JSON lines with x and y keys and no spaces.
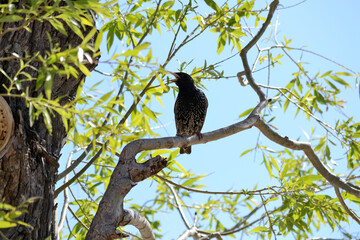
{"x":309,"y":152}
{"x":178,"y":205}
{"x":66,"y":199}
{"x":192,"y":232}
{"x":140,"y":222}
{"x":253,"y":41}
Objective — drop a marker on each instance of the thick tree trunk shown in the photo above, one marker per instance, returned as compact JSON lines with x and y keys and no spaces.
{"x":29,"y":168}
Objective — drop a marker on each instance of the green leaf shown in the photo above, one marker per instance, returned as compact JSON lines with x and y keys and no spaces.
{"x":319,"y":97}
{"x":320,"y":216}
{"x":308,"y":179}
{"x":345,"y":74}
{"x":6,"y":224}
{"x":75,"y":27}
{"x":200,"y":20}
{"x":84,"y":70}
{"x":246,"y":151}
{"x":136,"y":50}
{"x":168,"y":4}
{"x":326,"y":74}
{"x":11,"y":18}
{"x":284,"y":171}
{"x":70,"y":4}
{"x":260,"y":229}
{"x":246,"y":112}
{"x":274,"y":162}
{"x":47,"y":120}
{"x":5,"y":206}
{"x":58,"y":25}
{"x":221,"y":43}
{"x":106,"y":96}
{"x":180,"y":166}
{"x":149,"y":113}
{"x":190,"y":181}
{"x":109,"y":37}
{"x":183,"y":26}
{"x":332,"y":86}
{"x":238,"y":33}
{"x":98,"y":40}
{"x":340,"y":80}
{"x":15,"y":214}
{"x":213,"y":5}
{"x":48,"y":85}
{"x":287,"y":101}
{"x":90,"y":35}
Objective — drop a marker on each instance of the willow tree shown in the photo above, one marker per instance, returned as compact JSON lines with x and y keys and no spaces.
{"x":47,"y":49}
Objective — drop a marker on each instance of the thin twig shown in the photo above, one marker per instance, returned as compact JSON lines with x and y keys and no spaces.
{"x":70,"y":231}
{"x":78,"y":219}
{"x":268,"y":215}
{"x":343,"y":204}
{"x":307,"y":111}
{"x":150,"y":23}
{"x":252,"y":42}
{"x":80,"y":205}
{"x":244,"y":192}
{"x":66,"y":198}
{"x":179,"y":207}
{"x":76,"y":176}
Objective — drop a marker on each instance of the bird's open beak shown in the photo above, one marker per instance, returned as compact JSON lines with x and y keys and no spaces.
{"x":175,"y":75}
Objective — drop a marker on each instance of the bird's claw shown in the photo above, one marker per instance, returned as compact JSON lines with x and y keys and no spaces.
{"x":199,"y":134}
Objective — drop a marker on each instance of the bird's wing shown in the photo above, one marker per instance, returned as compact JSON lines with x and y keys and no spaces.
{"x":206,"y":101}
{"x":178,"y":122}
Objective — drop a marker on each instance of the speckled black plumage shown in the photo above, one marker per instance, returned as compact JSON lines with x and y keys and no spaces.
{"x":190,"y":108}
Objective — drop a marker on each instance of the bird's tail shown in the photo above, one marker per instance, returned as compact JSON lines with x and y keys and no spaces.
{"x":186,"y":150}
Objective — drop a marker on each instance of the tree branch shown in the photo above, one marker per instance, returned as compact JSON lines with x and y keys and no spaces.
{"x":140,"y":222}
{"x":243,"y":53}
{"x":309,"y":152}
{"x":179,"y":207}
{"x":127,"y":172}
{"x":343,"y":204}
{"x":191,"y":232}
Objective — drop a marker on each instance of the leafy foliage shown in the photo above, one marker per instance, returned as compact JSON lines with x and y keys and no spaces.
{"x":9,"y":214}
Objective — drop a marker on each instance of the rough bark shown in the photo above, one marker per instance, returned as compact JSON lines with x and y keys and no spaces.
{"x":29,"y":168}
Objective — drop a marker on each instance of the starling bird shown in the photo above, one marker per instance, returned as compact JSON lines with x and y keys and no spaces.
{"x":190,"y":108}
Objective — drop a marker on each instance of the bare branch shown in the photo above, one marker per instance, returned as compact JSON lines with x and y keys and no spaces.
{"x":76,"y":176}
{"x":268,"y":215}
{"x":178,"y":206}
{"x":66,"y":199}
{"x":77,"y":219}
{"x":253,"y":41}
{"x":140,"y":145}
{"x":140,"y":222}
{"x":192,"y":232}
{"x":269,"y":190}
{"x":343,"y":204}
{"x":151,"y":23}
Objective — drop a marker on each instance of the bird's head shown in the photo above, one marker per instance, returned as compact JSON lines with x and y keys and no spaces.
{"x":183,"y":80}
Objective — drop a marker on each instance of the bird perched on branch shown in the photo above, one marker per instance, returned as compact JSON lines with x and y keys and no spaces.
{"x":190,"y":108}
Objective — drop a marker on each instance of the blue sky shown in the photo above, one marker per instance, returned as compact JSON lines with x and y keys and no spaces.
{"x":330,"y":28}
